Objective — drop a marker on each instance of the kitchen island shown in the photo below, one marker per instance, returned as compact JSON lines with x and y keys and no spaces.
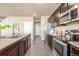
{"x":17,"y":46}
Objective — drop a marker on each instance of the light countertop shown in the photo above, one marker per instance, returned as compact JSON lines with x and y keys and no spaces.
{"x":4,"y":42}
{"x":73,"y":43}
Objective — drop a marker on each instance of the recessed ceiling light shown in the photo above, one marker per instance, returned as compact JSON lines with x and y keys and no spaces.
{"x":76,"y":6}
{"x":34,"y":14}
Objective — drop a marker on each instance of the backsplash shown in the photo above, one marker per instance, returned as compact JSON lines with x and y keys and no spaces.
{"x":69,"y":27}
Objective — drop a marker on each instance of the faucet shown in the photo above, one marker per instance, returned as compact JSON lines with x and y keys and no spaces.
{"x":13,"y":29}
{"x":17,"y":26}
{"x":0,"y":33}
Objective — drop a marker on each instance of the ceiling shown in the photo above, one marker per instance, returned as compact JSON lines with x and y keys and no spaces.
{"x":27,"y":9}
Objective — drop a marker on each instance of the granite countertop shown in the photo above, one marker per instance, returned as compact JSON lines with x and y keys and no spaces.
{"x":73,"y":43}
{"x":4,"y":42}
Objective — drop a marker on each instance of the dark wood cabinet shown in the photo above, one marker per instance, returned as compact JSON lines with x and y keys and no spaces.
{"x":49,"y":40}
{"x":70,"y":5}
{"x":24,"y":45}
{"x":14,"y":52}
{"x":74,"y":14}
{"x":54,"y":18}
{"x":56,"y":15}
{"x":29,"y":40}
{"x":18,"y":48}
{"x":11,"y":50}
{"x":74,"y":51}
{"x":21,"y":47}
{"x":64,"y":7}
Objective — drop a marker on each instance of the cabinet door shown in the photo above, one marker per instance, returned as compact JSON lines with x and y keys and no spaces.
{"x":74,"y":51}
{"x":29,"y":41}
{"x":26,"y":44}
{"x":49,"y":40}
{"x":64,"y":7}
{"x":11,"y":50}
{"x":70,"y":5}
{"x":56,"y":16}
{"x":74,"y":14}
{"x":21,"y":47}
{"x":14,"y":52}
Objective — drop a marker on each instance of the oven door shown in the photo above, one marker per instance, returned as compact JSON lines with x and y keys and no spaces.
{"x":59,"y":48}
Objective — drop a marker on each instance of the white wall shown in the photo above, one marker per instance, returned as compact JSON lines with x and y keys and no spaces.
{"x":43,"y":27}
{"x":29,"y":29}
{"x":37,"y":28}
{"x":20,"y":21}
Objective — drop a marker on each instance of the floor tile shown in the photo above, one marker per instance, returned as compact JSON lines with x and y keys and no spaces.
{"x":39,"y":48}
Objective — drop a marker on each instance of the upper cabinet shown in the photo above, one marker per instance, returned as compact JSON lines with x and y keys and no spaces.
{"x":54,"y":18}
{"x":63,"y":7}
{"x":74,"y":14}
{"x":70,"y":5}
{"x":65,"y":13}
{"x":57,"y":14}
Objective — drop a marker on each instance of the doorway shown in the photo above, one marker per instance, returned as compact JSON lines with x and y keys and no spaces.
{"x":37,"y":28}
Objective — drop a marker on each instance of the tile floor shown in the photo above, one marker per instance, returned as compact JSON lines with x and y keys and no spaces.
{"x":39,"y":48}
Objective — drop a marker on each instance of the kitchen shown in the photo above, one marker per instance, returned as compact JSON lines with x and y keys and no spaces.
{"x":65,"y":30}
{"x":55,"y":34}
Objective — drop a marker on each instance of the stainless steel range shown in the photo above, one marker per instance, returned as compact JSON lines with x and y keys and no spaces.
{"x":72,"y":35}
{"x":59,"y":48}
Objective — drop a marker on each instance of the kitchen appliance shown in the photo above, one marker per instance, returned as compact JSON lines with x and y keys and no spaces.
{"x":74,"y":34}
{"x":67,"y":35}
{"x":59,"y":48}
{"x":64,"y":18}
{"x":70,"y":15}
{"x":71,"y":35}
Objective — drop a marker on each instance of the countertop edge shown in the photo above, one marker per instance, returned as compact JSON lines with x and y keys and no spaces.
{"x":14,"y":41}
{"x":76,"y":44}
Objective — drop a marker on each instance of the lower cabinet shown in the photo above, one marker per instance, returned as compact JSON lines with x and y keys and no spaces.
{"x":11,"y":50}
{"x":18,"y":48}
{"x":29,"y":40}
{"x":21,"y":47}
{"x":26,"y":45}
{"x":74,"y":51}
{"x":49,"y":40}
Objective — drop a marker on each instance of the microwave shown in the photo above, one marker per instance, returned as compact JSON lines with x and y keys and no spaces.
{"x":64,"y":18}
{"x":72,"y":35}
{"x":70,"y":15}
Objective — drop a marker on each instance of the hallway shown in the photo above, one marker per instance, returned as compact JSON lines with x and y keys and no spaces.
{"x":39,"y":48}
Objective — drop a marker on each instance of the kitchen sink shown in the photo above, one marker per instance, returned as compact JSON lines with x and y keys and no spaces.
{"x":17,"y":36}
